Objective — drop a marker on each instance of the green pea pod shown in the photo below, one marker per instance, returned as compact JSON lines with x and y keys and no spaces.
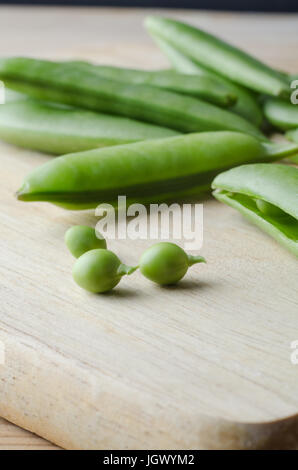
{"x":281,"y":114}
{"x":292,"y":77}
{"x":59,"y":129}
{"x":219,"y":56}
{"x":267,"y":195}
{"x":66,"y":83}
{"x":145,"y":172}
{"x":11,"y":96}
{"x":207,"y":88}
{"x":246,"y":106}
{"x":293,"y":136}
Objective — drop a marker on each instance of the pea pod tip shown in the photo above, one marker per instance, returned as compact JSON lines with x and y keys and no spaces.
{"x":22,"y":192}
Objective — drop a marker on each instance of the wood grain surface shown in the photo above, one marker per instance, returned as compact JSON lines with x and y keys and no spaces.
{"x":206,"y":364}
{"x":13,"y":437}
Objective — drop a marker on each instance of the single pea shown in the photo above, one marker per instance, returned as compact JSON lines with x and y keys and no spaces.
{"x":269,"y":209}
{"x":166,"y":263}
{"x":81,"y":238}
{"x":99,"y":270}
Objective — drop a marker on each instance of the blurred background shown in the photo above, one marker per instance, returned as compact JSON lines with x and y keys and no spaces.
{"x":223,"y":5}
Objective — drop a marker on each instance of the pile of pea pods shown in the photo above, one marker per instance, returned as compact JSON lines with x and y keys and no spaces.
{"x":157,"y":136}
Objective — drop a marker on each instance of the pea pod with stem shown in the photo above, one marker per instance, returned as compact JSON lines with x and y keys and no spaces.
{"x":265,"y":194}
{"x":100,"y":270}
{"x":146,"y":172}
{"x":58,"y":129}
{"x":66,"y":83}
{"x":166,"y":263}
{"x":204,"y":87}
{"x":219,"y":56}
{"x":246,"y":105}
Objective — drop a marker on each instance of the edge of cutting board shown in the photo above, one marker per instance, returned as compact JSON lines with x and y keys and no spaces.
{"x":98,"y":416}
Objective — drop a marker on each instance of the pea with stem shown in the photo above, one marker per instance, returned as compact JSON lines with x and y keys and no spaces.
{"x":100,"y":270}
{"x":166,"y":263}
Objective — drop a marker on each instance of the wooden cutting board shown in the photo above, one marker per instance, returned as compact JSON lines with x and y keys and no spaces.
{"x":206,"y":364}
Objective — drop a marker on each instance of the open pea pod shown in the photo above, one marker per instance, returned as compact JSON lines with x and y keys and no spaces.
{"x":146,"y":172}
{"x":267,"y":195}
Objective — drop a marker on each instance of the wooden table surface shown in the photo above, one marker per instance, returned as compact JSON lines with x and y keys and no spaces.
{"x":252,"y":317}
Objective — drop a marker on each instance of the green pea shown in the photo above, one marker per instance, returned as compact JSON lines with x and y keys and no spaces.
{"x":99,"y":270}
{"x":166,"y":263}
{"x":269,"y":209}
{"x":81,"y":238}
